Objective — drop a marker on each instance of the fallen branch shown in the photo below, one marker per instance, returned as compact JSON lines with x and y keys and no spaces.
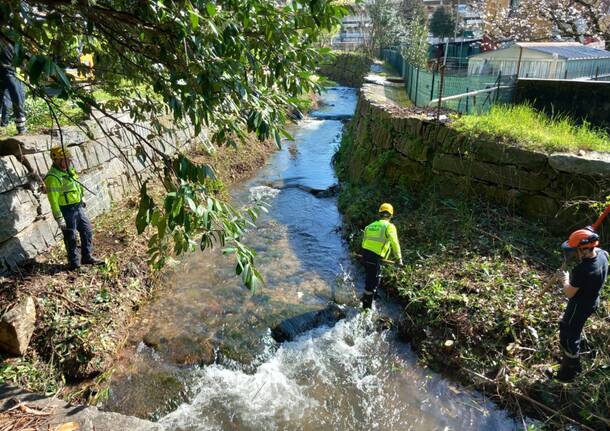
{"x":531,"y":400}
{"x":69,"y":301}
{"x":496,"y":237}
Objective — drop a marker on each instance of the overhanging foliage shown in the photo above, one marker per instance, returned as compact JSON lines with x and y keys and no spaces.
{"x":229,"y":66}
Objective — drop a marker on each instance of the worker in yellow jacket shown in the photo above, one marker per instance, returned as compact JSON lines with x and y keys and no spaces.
{"x":65,"y":195}
{"x":380,"y":239}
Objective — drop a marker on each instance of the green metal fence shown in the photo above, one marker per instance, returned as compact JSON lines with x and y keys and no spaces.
{"x":466,"y":94}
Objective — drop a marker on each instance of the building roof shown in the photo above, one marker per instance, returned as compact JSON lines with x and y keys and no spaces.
{"x":566,"y":50}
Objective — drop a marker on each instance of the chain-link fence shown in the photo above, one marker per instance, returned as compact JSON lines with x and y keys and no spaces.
{"x":466,"y":94}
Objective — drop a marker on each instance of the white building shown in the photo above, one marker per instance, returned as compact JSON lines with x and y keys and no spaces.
{"x":546,"y":60}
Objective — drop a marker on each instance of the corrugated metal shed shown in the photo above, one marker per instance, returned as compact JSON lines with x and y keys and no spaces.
{"x":571,"y":51}
{"x":548,"y":60}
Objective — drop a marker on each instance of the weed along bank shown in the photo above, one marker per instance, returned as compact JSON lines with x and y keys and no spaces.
{"x":62,"y":330}
{"x":203,"y":352}
{"x":230,"y":296}
{"x":482,"y":212}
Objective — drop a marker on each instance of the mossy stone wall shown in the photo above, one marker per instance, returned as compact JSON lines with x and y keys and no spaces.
{"x":401,"y":149}
{"x":347,"y":68}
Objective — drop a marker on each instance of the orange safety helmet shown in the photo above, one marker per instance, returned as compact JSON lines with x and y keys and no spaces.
{"x":582,"y":238}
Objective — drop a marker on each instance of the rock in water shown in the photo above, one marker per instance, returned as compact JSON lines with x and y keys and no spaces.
{"x":289,"y":329}
{"x":17,"y":326}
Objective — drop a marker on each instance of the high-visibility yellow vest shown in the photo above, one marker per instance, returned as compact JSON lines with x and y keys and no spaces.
{"x":62,"y":189}
{"x":380,"y":237}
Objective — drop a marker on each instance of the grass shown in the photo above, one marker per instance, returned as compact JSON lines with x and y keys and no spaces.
{"x":39,"y":118}
{"x":477,"y":300}
{"x":532,"y":129}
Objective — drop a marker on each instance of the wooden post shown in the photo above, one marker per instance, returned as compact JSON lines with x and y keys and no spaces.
{"x":519,"y":61}
{"x":432,"y":88}
{"x":416,"y":86}
{"x":440,"y":93}
{"x":498,"y":89}
{"x":410,"y":73}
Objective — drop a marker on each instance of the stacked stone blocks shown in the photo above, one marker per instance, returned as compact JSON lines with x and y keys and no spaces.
{"x":106,"y":162}
{"x":414,"y":150}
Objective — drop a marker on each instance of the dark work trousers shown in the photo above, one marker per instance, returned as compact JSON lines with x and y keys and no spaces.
{"x":10,"y":83}
{"x":372,"y":267}
{"x":6,"y":108}
{"x":76,"y":220}
{"x":571,"y":325}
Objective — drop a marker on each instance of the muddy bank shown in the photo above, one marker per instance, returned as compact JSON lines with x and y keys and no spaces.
{"x":82,"y":318}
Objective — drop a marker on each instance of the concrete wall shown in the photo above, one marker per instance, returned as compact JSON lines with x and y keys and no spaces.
{"x":581,"y":100}
{"x":409,"y":151}
{"x":107,"y":166}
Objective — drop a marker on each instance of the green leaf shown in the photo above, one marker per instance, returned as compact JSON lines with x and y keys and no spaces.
{"x":191,"y":204}
{"x":36,"y":66}
{"x":193,"y":18}
{"x":177,"y":206}
{"x":144,"y":210}
{"x":211,"y":8}
{"x":59,"y":72}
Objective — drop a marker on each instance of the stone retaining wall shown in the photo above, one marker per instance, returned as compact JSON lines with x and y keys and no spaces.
{"x":404,"y":149}
{"x":347,"y":68}
{"x":107,"y":165}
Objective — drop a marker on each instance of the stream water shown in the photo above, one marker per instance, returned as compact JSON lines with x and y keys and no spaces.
{"x":352,"y":376}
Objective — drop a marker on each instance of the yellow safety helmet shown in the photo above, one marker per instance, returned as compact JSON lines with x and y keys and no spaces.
{"x":386,"y":208}
{"x":59,"y":153}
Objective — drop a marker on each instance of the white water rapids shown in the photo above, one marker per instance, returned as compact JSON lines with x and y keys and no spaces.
{"x":349,"y":377}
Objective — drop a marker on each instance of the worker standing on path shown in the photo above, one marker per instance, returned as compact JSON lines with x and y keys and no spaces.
{"x":9,"y":83}
{"x":65,"y":195}
{"x":582,"y":286}
{"x":380,"y":237}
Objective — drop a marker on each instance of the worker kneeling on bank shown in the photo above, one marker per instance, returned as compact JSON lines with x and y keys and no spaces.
{"x":65,"y":195}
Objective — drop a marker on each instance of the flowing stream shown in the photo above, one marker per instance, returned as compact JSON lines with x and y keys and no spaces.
{"x":352,"y":376}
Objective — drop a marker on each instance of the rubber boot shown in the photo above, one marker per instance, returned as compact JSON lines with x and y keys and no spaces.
{"x":92,"y":261}
{"x":570,"y":367}
{"x":367,"y":301}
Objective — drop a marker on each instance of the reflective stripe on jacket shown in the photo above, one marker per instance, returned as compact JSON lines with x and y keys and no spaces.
{"x":62,"y":189}
{"x":380,"y":237}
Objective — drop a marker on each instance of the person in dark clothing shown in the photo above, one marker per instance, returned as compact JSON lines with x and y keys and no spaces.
{"x":5,"y":108}
{"x":9,"y":83}
{"x":582,"y":286}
